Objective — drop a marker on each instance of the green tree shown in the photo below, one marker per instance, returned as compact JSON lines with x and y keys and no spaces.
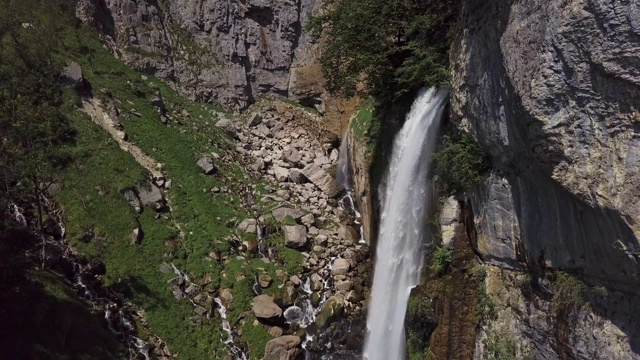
{"x":459,"y":164}
{"x":33,"y":127}
{"x":384,"y":48}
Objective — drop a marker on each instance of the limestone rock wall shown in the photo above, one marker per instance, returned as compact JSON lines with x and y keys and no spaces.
{"x":227,"y":52}
{"x":551,"y":90}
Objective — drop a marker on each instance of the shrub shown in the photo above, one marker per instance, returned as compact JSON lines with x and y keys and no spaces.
{"x":459,"y":164}
{"x":442,"y":258}
{"x":568,"y":293}
{"x":500,"y":347}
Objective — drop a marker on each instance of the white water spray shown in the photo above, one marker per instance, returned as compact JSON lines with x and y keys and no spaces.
{"x":401,"y":239}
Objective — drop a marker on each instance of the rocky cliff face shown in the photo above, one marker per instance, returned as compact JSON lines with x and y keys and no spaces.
{"x":227,"y":52}
{"x":551,"y":90}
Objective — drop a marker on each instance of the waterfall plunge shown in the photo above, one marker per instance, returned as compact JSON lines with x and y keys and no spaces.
{"x":401,"y":237}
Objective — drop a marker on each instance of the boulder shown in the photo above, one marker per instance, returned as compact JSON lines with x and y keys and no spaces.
{"x":348,"y":234}
{"x":263,"y":130}
{"x":291,"y":155}
{"x":340,"y":267}
{"x":295,"y":236}
{"x":72,"y":76}
{"x":254,"y":120}
{"x":282,"y":348}
{"x":265,"y":281}
{"x":263,"y":307}
{"x":281,"y":174}
{"x":308,"y":219}
{"x":259,"y":165}
{"x":227,"y":127}
{"x":344,"y":285}
{"x":332,"y":310}
{"x":206,"y":164}
{"x":281,"y":213}
{"x":317,"y":283}
{"x":320,"y":178}
{"x":248,"y":225}
{"x":297,"y":176}
{"x":137,"y":235}
{"x":276,"y":331}
{"x":226,"y":297}
{"x":151,"y":196}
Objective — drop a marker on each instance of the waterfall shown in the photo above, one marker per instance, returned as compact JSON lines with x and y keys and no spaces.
{"x":343,"y":172}
{"x":401,"y":238}
{"x":343,"y":176}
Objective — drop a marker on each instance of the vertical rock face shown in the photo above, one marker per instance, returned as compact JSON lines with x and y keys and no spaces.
{"x":552,"y":91}
{"x":227,"y":52}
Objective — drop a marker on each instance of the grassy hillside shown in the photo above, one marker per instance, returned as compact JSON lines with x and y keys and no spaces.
{"x":196,"y":225}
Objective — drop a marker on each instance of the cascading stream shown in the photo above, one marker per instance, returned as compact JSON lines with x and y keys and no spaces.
{"x":343,"y":176}
{"x":401,"y":238}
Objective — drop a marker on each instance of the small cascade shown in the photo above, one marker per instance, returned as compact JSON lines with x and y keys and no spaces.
{"x":343,"y":171}
{"x":18,"y":216}
{"x":304,"y":313}
{"x":118,"y":322}
{"x":343,"y":176}
{"x":235,"y":350}
{"x":402,"y":235}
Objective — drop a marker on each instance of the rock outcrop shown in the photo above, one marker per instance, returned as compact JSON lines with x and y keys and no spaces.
{"x":225,"y":52}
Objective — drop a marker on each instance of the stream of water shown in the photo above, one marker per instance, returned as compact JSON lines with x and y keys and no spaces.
{"x":402,"y":238}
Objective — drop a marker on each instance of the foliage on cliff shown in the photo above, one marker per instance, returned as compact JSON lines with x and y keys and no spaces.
{"x":459,"y":164}
{"x":384,"y":48}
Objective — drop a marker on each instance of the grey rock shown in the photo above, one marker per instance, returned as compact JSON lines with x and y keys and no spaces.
{"x":206,"y":164}
{"x":263,"y":130}
{"x":295,"y":236}
{"x":137,"y":235}
{"x":282,"y":348}
{"x":228,"y":127}
{"x":282,"y":212}
{"x":322,"y":180}
{"x":340,"y":266}
{"x":291,"y":155}
{"x":297,"y":176}
{"x":348,"y":235}
{"x":263,"y":307}
{"x":308,"y":219}
{"x":235,"y":52}
{"x":344,"y":285}
{"x":281,"y":174}
{"x":151,"y":196}
{"x":72,"y":76}
{"x":248,"y":225}
{"x":551,"y":91}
